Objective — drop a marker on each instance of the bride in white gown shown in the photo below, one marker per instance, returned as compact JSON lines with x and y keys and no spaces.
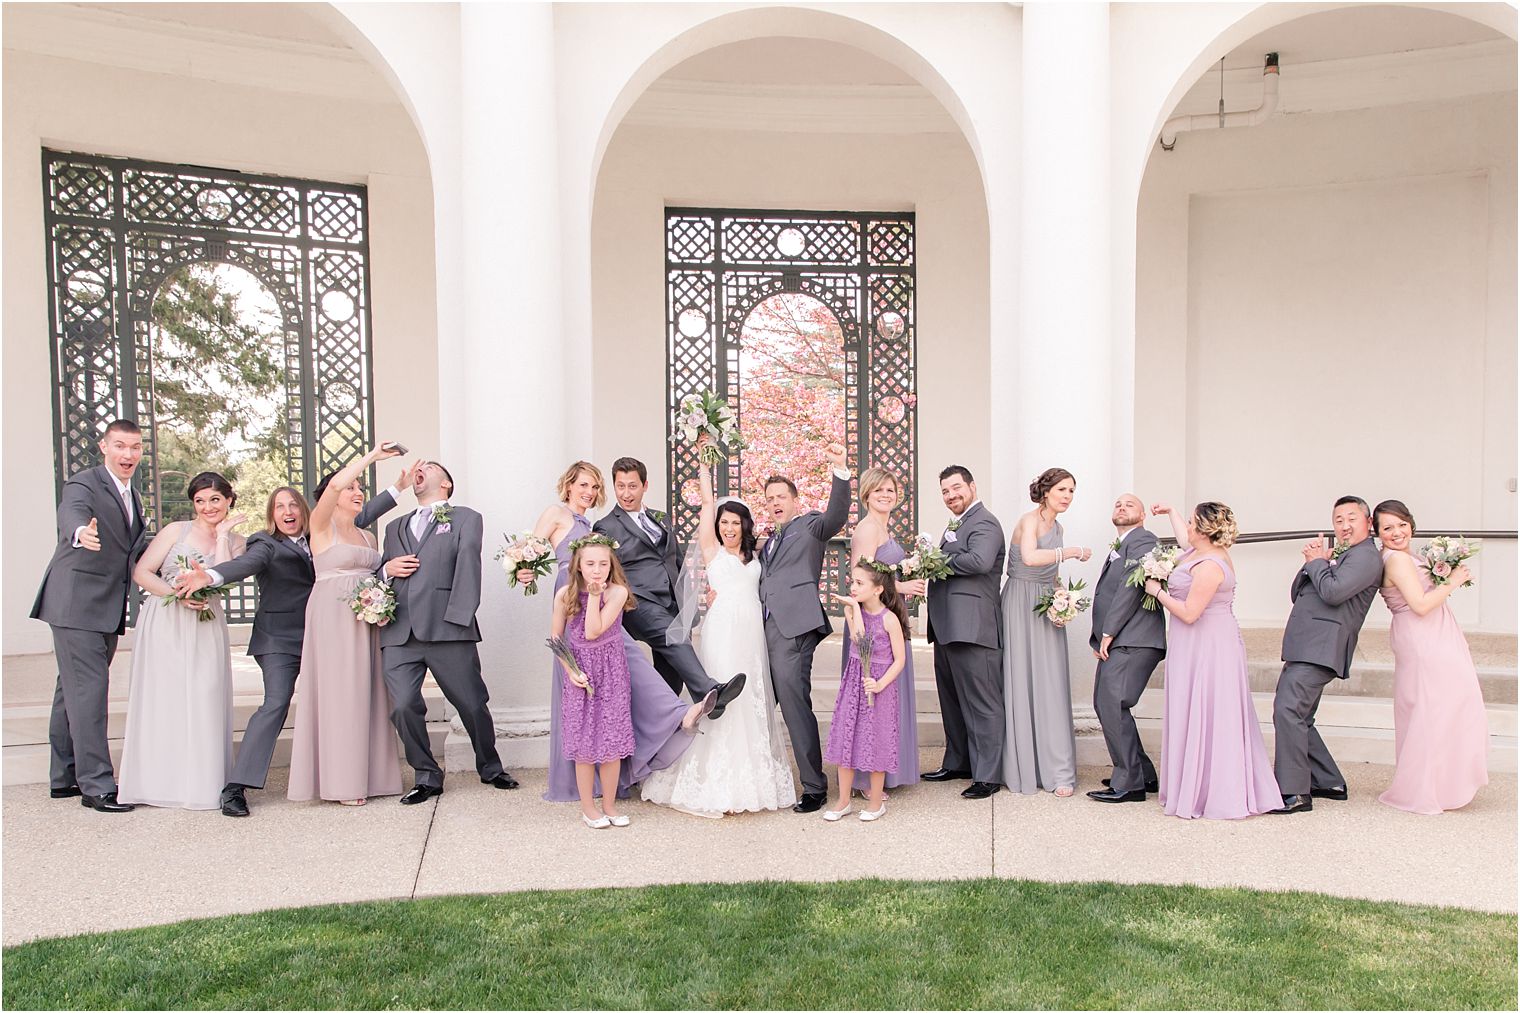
{"x":737,"y":764}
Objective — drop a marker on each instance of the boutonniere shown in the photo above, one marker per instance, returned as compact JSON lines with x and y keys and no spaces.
{"x":658,"y":516}
{"x":1113,"y":546}
{"x":954,"y":525}
{"x":443,"y":513}
{"x":1339,"y":550}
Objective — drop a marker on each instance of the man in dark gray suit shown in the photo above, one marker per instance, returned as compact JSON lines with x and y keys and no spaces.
{"x":1129,"y":642}
{"x":280,"y":558}
{"x":966,"y":629}
{"x":83,"y":597}
{"x":1331,"y":594}
{"x":647,"y":551}
{"x":432,"y":561}
{"x":795,"y":622}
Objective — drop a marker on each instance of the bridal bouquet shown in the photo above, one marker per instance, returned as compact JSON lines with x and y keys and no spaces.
{"x":566,"y":657}
{"x":527,"y":552}
{"x":707,"y":413}
{"x":1063,"y":604}
{"x":205,"y":594}
{"x":373,"y":601}
{"x":1444,"y":554}
{"x":927,"y":561}
{"x":1156,"y":564}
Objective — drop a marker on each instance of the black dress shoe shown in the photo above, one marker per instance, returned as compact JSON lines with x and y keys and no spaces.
{"x":105,"y":803}
{"x":1151,"y":787}
{"x":1294,"y":804}
{"x":1339,"y":794}
{"x":943,"y":774}
{"x":810,"y":802}
{"x":234,"y":803}
{"x":503,"y":780}
{"x":981,"y":789}
{"x":421,"y":793}
{"x":72,"y":791}
{"x":1110,"y":795}
{"x":726,"y":693}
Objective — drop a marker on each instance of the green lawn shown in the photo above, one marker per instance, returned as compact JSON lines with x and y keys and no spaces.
{"x":868,"y":944}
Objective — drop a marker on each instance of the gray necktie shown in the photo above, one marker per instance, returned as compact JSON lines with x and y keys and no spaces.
{"x":647,"y":523}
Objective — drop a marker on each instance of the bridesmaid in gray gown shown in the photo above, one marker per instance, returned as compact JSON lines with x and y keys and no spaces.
{"x":1040,"y":747}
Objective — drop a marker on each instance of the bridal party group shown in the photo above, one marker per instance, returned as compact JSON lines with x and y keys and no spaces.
{"x":667,"y":668}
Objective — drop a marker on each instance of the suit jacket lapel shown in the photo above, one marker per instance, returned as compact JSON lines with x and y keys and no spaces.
{"x":427,"y":532}
{"x":405,"y":534}
{"x":119,"y":515}
{"x":291,"y":546}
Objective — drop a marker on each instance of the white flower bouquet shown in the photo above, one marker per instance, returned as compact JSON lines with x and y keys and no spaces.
{"x":1063,"y":604}
{"x":1157,"y":565}
{"x":927,"y":561}
{"x":1443,"y":554}
{"x":205,"y":594}
{"x":373,"y":601}
{"x":527,"y":552}
{"x":707,"y":413}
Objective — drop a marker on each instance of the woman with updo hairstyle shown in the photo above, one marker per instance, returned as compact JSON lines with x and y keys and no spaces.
{"x":178,"y":748}
{"x":1440,"y":726}
{"x":1214,"y":762}
{"x":1039,"y":743}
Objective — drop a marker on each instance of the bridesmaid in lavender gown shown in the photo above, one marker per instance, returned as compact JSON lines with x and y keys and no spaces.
{"x":1440,"y":726}
{"x":1214,"y":763}
{"x":662,"y":723}
{"x":872,"y":539}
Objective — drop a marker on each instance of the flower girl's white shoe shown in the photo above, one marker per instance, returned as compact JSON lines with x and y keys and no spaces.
{"x":835,"y":815}
{"x":600,"y":823}
{"x":620,"y":820}
{"x":867,"y":815}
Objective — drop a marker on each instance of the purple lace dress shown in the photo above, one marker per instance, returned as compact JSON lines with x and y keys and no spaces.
{"x":864,"y":736}
{"x":906,"y":773}
{"x":596,"y":727}
{"x":658,"y":737}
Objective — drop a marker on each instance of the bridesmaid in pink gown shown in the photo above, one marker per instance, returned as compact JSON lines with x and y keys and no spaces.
{"x":1440,"y":728}
{"x":1214,"y":763}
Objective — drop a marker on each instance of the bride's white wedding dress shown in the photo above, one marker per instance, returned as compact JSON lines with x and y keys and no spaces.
{"x":738,"y":763}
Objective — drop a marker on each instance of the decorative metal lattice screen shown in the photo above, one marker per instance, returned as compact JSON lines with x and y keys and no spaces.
{"x":722,"y":264}
{"x":118,"y":229}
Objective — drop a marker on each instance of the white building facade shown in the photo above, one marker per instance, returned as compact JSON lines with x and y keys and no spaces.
{"x":1271,"y":315}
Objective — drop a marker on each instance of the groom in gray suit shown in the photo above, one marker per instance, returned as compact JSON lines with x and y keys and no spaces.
{"x":795,"y":622}
{"x":432,"y":562}
{"x":1129,"y":642}
{"x":647,"y":551}
{"x":1331,"y":593}
{"x":966,"y":629}
{"x":101,"y":534}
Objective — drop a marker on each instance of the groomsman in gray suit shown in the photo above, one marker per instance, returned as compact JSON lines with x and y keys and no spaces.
{"x":432,"y":562}
{"x":1129,"y":642}
{"x":280,"y":558}
{"x":795,"y":622}
{"x":101,"y":534}
{"x":647,"y":551}
{"x":965,"y":627}
{"x":1331,"y":593}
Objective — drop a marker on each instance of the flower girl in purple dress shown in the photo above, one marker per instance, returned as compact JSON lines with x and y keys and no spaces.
{"x":863,"y":735}
{"x":596,"y":721}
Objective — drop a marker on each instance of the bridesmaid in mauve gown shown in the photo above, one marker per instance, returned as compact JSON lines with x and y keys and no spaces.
{"x":1040,"y":743}
{"x":872,"y":539}
{"x":1440,"y":726}
{"x":1214,"y":762}
{"x":662,"y":722}
{"x":344,"y":748}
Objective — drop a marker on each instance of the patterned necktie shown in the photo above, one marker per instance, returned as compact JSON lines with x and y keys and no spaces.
{"x":647,"y":523}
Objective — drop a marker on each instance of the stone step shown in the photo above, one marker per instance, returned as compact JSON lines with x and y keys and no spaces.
{"x":28,"y":763}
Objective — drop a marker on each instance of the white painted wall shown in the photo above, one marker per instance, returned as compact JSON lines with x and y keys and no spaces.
{"x":648,"y":169}
{"x":1297,"y":284}
{"x":79,"y":106}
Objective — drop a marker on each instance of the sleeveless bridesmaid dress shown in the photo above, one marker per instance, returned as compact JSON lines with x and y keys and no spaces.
{"x":1040,"y":742}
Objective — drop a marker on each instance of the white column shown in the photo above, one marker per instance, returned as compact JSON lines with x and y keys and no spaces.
{"x":1065,"y":400}
{"x":509,"y":373}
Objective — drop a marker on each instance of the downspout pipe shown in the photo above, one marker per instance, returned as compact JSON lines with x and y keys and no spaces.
{"x":1218,"y":121}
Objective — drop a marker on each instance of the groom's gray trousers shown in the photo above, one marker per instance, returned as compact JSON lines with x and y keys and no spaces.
{"x":792,"y":681}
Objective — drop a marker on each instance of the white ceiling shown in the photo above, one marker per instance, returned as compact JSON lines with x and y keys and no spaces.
{"x":290,"y":22}
{"x":1366,"y":30}
{"x":788,"y":61}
